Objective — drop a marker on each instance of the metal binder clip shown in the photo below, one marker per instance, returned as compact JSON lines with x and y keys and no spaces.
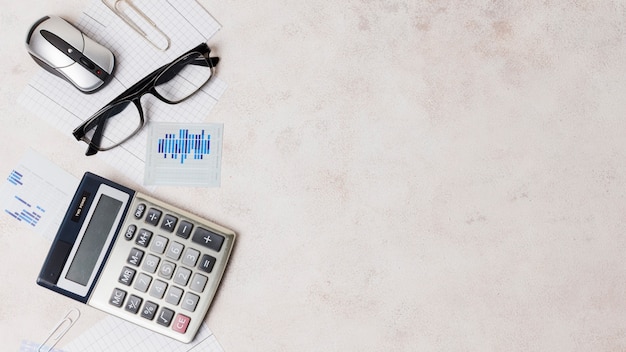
{"x":59,"y":330}
{"x":138,"y":21}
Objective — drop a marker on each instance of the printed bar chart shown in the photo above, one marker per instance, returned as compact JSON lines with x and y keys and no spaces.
{"x":186,"y":143}
{"x":15,"y":178}
{"x":36,"y":193}
{"x":184,"y":154}
{"x":24,"y":211}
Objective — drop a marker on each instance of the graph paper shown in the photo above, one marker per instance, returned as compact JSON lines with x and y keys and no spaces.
{"x":113,"y":334}
{"x":186,"y":23}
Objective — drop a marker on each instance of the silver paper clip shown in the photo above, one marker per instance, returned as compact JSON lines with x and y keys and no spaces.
{"x":138,"y":21}
{"x":62,"y":327}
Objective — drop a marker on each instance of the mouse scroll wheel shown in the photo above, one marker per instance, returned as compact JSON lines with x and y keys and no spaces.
{"x":87,"y":63}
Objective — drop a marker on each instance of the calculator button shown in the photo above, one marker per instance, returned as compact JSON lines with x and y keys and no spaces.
{"x":135,"y":257}
{"x":174,"y":250}
{"x":173,"y":295}
{"x":143,"y":239}
{"x":206,"y":263}
{"x":133,"y":304}
{"x":184,"y":229}
{"x":130,"y":232}
{"x":159,"y":244}
{"x":191,"y":257}
{"x":169,"y":223}
{"x":167,"y":269}
{"x":208,"y":239}
{"x":165,"y":316}
{"x":198,"y":282}
{"x":190,"y":302}
{"x":158,"y":289}
{"x":151,"y":263}
{"x":180,"y":323}
{"x":153,"y":216}
{"x":127,"y":275}
{"x":117,"y":297}
{"x":149,"y":309}
{"x":182,"y":276}
{"x":139,"y":210}
{"x":143,"y":282}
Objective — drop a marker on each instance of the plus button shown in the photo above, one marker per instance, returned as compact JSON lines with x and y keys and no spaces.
{"x":208,"y":239}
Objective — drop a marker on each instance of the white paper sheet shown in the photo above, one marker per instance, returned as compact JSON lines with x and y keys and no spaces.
{"x":184,"y":154}
{"x":37,"y":193}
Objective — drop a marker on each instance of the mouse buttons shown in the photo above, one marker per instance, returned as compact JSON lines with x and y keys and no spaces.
{"x":99,"y":59}
{"x":85,"y":62}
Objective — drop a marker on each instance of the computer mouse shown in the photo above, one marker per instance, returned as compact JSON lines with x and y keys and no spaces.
{"x":62,"y":49}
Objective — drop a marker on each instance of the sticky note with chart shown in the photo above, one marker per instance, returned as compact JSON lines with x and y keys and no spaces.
{"x":187,"y":154}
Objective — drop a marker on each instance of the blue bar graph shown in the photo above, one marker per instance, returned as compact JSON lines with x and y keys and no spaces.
{"x":184,"y":144}
{"x":15,"y":178}
{"x":26,"y":212}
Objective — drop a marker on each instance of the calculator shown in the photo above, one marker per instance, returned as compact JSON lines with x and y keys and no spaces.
{"x":138,"y":258}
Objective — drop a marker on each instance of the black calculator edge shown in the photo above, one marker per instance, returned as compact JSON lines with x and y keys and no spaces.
{"x":63,"y":242}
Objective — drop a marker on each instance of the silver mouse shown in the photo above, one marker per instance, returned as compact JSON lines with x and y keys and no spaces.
{"x":62,"y":49}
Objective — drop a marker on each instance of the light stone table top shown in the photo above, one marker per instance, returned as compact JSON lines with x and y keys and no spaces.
{"x":402,"y":176}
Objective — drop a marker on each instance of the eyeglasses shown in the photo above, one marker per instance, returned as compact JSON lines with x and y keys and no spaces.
{"x":123,"y":117}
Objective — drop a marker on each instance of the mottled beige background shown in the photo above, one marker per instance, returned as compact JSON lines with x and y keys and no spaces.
{"x":403,"y":176}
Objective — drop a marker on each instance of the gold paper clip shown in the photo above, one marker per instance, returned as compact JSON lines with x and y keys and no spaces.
{"x":59,"y":330}
{"x":138,"y":21}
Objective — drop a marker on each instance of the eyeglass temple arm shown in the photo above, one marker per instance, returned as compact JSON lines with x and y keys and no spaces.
{"x":214,"y":61}
{"x":97,"y":137}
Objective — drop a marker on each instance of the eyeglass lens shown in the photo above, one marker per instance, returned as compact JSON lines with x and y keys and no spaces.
{"x":183,"y":78}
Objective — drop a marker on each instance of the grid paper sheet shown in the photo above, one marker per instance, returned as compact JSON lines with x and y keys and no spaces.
{"x":185,"y":22}
{"x":113,"y":334}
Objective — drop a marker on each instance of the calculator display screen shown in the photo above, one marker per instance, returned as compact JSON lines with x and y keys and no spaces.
{"x":94,"y":239}
{"x":86,"y":236}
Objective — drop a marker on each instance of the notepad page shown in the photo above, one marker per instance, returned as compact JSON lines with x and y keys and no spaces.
{"x":55,"y":101}
{"x":113,"y":334}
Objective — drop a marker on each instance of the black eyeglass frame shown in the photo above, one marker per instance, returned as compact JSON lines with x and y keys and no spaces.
{"x":133,"y":94}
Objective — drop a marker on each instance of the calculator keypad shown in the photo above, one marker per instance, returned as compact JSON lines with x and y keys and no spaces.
{"x":171,"y":267}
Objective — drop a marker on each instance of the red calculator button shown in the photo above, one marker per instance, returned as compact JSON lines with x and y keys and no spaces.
{"x":180,"y":323}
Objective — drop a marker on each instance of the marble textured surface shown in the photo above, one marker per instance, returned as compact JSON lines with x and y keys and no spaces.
{"x":403,"y":175}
